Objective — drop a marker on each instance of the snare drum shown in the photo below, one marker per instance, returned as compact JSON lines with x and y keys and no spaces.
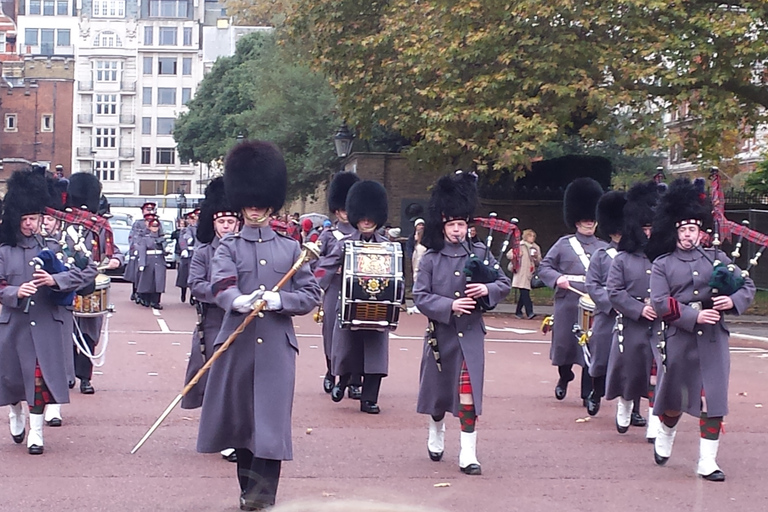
{"x":372,"y":287}
{"x":586,"y":314}
{"x":96,"y":303}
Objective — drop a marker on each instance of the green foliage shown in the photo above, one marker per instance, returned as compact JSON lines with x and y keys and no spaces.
{"x":264,"y":93}
{"x":757,"y":182}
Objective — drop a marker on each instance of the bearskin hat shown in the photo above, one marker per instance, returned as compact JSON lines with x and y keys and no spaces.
{"x":214,"y":205}
{"x":453,"y":197}
{"x":367,"y":200}
{"x":580,"y":200}
{"x":642,"y":199}
{"x":57,"y":190}
{"x":27,"y":193}
{"x":84,"y":191}
{"x":339,"y":188}
{"x":610,"y":212}
{"x":255,"y":176}
{"x":683,"y":201}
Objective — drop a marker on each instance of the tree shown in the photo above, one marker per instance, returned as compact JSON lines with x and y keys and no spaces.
{"x":495,"y":80}
{"x":259,"y":12}
{"x":262,"y":92}
{"x":757,"y":182}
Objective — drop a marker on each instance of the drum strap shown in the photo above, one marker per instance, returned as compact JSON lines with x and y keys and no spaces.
{"x":612,"y":252}
{"x":337,"y":234}
{"x":579,"y":250}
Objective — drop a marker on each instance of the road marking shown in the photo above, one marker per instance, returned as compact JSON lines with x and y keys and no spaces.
{"x":175,"y":343}
{"x":510,"y":329}
{"x":163,"y":325}
{"x":152,"y":374}
{"x":749,"y":337}
{"x":155,"y":312}
{"x":141,"y":353}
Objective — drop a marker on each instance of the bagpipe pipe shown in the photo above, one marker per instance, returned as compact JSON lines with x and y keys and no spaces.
{"x":74,"y":223}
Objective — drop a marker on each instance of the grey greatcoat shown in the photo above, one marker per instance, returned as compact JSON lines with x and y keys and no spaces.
{"x":629,"y":291}
{"x":152,"y":260}
{"x":460,"y":338}
{"x":213,"y":316}
{"x":37,"y":335}
{"x":605,"y":316}
{"x":138,"y":230}
{"x":560,"y":260}
{"x":361,"y":351}
{"x":249,"y":395}
{"x":186,"y":242}
{"x":697,"y":354}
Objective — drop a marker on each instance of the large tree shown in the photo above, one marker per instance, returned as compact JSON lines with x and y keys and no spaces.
{"x":494,"y":81}
{"x":263,"y":92}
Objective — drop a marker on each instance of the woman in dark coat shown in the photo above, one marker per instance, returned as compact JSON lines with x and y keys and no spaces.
{"x":151,"y":262}
{"x":454,"y":382}
{"x":248,"y":398}
{"x":696,"y":360}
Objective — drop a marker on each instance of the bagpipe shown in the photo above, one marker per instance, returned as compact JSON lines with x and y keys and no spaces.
{"x":74,"y":223}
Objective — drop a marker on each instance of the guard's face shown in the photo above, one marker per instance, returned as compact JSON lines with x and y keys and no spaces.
{"x":224,"y":225}
{"x":154,"y":227}
{"x":688,"y":236}
{"x":30,"y":224}
{"x":586,"y":227}
{"x":50,"y":224}
{"x":455,"y":231}
{"x":366,"y":226}
{"x":342,"y":215}
{"x":647,"y":231}
{"x":253,"y":216}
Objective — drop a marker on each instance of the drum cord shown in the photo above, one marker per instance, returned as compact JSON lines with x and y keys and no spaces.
{"x":97,"y":360}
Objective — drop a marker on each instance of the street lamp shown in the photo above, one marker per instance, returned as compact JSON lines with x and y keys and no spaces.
{"x":343,"y":141}
{"x":240,"y":137}
{"x":181,"y":202}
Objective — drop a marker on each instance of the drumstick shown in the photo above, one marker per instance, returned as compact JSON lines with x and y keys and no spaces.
{"x":577,"y":292}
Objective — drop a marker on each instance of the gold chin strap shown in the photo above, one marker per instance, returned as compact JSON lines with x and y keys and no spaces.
{"x":368,"y":230}
{"x":257,"y":220}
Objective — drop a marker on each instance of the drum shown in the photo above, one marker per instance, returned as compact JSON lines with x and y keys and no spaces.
{"x":96,"y":303}
{"x":372,"y":287}
{"x":586,"y":314}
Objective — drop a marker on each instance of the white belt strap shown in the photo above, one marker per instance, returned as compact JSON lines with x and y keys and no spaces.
{"x":575,"y":279}
{"x":612,"y":252}
{"x":337,"y":234}
{"x":155,"y":252}
{"x":579,"y":250}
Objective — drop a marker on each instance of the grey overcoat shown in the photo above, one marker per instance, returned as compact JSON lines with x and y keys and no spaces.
{"x":605,"y":316}
{"x":186,"y":242}
{"x":152,"y":277}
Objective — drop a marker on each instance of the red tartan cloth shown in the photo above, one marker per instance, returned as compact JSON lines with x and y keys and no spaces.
{"x":465,"y":387}
{"x":91,"y":222}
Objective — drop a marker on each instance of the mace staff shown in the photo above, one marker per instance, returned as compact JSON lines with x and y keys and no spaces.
{"x":309,"y":252}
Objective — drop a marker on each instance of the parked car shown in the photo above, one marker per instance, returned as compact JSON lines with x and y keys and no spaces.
{"x":120,"y":237}
{"x":120,"y":219}
{"x":170,"y":244}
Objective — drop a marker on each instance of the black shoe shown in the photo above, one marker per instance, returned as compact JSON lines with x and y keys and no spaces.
{"x":659,"y":459}
{"x":593,"y":404}
{"x":369,"y":407}
{"x":637,"y":420}
{"x":435,"y":456}
{"x":71,"y":384}
{"x":183,"y":298}
{"x":472,"y":469}
{"x":561,"y":389}
{"x":192,"y":301}
{"x":35,"y":450}
{"x":143,"y":302}
{"x":133,"y":296}
{"x":620,"y":429}
{"x":232,"y":457}
{"x":55,"y":422}
{"x":715,"y":476}
{"x":246,"y":504}
{"x":86,"y":388}
{"x":337,"y":393}
{"x":328,"y":382}
{"x":651,"y":440}
{"x":19,"y":438}
{"x":519,"y":316}
{"x":156,"y":305}
{"x":354,"y":392}
{"x":532,"y":316}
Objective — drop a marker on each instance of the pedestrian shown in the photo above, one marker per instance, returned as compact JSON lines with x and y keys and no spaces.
{"x":564,"y":269}
{"x":151,"y":261}
{"x":418,"y":247}
{"x":453,"y":358}
{"x":530,"y":257}
{"x":696,"y":361}
{"x":255,"y":418}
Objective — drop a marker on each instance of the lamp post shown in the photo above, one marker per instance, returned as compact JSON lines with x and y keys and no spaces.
{"x":342,"y":141}
{"x":240,"y":137}
{"x":181,"y":202}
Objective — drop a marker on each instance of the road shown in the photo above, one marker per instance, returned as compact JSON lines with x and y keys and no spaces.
{"x":535,"y":454}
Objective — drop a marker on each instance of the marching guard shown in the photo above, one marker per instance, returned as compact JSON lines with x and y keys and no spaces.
{"x":150,"y":285}
{"x":186,"y":242}
{"x":564,"y":268}
{"x":138,"y":230}
{"x":248,"y":398}
{"x":32,"y":356}
{"x":694,"y":349}
{"x":453,"y":359}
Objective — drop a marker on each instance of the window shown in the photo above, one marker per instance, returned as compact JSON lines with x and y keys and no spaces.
{"x":186,"y":95}
{"x":30,"y":36}
{"x":62,"y":37}
{"x":187,"y":36}
{"x":146,"y":155}
{"x":109,"y":8}
{"x":168,"y":8}
{"x":11,"y":123}
{"x":186,"y":66}
{"x":147,"y":65}
{"x":61,"y":7}
{"x":160,"y":187}
{"x":34,"y":7}
{"x":46,"y":41}
{"x":148,"y":33}
{"x":166,"y":96}
{"x":146,"y":96}
{"x":166,"y":65}
{"x":167,"y":36}
{"x":106,"y":137}
{"x":106,"y":70}
{"x":105,"y":170}
{"x":146,"y":126}
{"x":2,"y":42}
{"x":107,"y":39}
{"x":49,"y":7}
{"x":46,"y":123}
{"x":106,"y":104}
{"x":165,"y":125}
{"x":165,"y":156}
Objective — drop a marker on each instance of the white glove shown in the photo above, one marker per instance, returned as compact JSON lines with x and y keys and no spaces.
{"x":273,"y":301}
{"x":141,"y":269}
{"x":185,"y":253}
{"x":244,"y":303}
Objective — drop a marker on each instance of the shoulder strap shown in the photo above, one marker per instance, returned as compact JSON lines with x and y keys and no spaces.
{"x":612,"y":252}
{"x":579,"y":250}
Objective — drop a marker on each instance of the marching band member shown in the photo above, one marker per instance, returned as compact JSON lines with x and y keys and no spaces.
{"x":151,"y":264}
{"x":363,"y":351}
{"x":138,"y":230}
{"x":609,"y":225}
{"x":629,"y":373}
{"x":453,"y":382}
{"x":32,"y":356}
{"x":564,"y":267}
{"x":186,"y":243}
{"x":248,"y":398}
{"x":696,"y":362}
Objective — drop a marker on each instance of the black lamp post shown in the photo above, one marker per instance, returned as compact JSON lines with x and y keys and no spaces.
{"x":343,"y":141}
{"x":181,"y":202}
{"x":240,"y":137}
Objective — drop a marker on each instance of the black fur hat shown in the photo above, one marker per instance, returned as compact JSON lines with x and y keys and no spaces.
{"x":642,"y":199}
{"x":214,"y":205}
{"x":684,"y":201}
{"x":580,"y":201}
{"x":453,"y":197}
{"x":367,"y":200}
{"x":57,"y":190}
{"x":339,"y":188}
{"x":610,"y":213}
{"x":255,"y":175}
{"x":84,"y":190}
{"x":27,"y":193}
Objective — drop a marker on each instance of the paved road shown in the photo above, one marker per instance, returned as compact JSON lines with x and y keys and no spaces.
{"x":535,"y":455}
